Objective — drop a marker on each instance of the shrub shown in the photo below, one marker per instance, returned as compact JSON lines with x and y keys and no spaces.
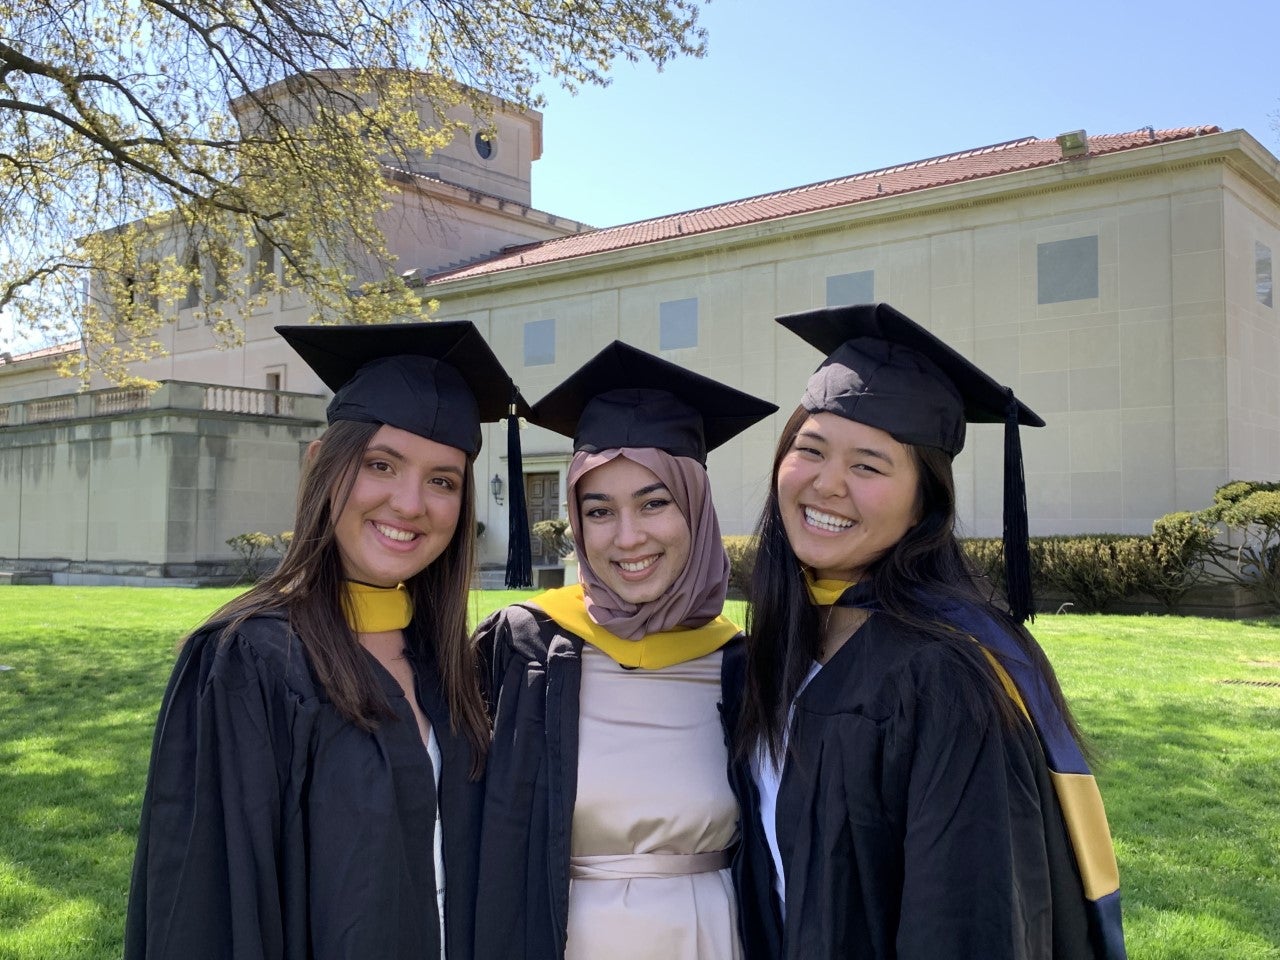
{"x":1178,"y":549}
{"x":1251,"y":511}
{"x":555,"y":536}
{"x":251,"y":547}
{"x":1093,"y":570}
{"x":741,"y":549}
{"x":986,"y":557}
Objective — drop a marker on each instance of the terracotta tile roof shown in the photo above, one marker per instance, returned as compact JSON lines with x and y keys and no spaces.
{"x":1024,"y":154}
{"x":56,"y":350}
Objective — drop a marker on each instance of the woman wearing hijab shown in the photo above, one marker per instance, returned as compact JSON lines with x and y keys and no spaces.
{"x":314,"y":787}
{"x":609,"y":819}
{"x":919,"y":788}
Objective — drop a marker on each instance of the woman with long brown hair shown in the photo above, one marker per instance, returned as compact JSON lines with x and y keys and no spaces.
{"x":316,"y":772}
{"x":915,"y":776}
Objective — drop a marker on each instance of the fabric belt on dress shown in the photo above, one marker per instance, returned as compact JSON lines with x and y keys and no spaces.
{"x":649,"y":865}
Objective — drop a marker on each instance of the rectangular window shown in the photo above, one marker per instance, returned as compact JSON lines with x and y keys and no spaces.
{"x":844,"y":289}
{"x":191,"y":298}
{"x":539,"y":343}
{"x":263,"y":264}
{"x":275,"y":382}
{"x":678,"y":324}
{"x":1067,"y":270}
{"x":1262,"y":272}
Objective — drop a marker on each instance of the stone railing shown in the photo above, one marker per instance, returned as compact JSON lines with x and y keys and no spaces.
{"x":271,"y":403}
{"x":171,"y":395}
{"x":108,"y":402}
{"x":53,"y":408}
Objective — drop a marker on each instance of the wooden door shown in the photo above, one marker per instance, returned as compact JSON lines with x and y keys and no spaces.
{"x":542,"y":494}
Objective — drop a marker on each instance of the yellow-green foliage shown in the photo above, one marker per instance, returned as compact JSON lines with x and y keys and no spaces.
{"x":742,"y":557}
{"x":555,"y":536}
{"x":205,"y":157}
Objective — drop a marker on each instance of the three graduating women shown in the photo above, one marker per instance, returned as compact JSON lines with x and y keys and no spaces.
{"x":909,"y":773}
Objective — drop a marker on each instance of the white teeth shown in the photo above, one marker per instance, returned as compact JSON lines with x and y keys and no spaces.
{"x":391,"y":533}
{"x":826,"y":521}
{"x":638,"y":565}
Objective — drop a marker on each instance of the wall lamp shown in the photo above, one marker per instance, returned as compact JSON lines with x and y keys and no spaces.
{"x":495,"y":487}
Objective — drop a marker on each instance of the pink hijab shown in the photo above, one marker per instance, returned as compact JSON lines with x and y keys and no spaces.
{"x":697,"y":596}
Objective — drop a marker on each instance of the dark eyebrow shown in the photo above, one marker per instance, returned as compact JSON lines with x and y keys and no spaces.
{"x":860,"y":451}
{"x":605,"y":498}
{"x":651,"y":488}
{"x":874,"y":454}
{"x":395,"y":454}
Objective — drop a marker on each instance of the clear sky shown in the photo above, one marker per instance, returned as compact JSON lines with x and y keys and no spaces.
{"x":796,"y":92}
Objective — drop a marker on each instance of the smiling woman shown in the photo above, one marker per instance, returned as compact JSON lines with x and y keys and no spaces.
{"x":847,"y":492}
{"x":608,"y":768}
{"x":634,"y":535}
{"x":913,"y":783}
{"x":317,"y":760}
{"x":402,"y":508}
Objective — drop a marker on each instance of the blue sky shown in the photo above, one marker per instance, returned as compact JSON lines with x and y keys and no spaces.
{"x":793,"y":93}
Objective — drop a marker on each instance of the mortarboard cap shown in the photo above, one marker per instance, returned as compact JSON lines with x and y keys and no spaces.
{"x":439,"y":380}
{"x":625,"y":397}
{"x":885,"y":370}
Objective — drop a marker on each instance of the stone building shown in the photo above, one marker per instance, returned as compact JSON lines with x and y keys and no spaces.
{"x":1122,"y":284}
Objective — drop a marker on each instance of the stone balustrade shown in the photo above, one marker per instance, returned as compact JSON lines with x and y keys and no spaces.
{"x":171,"y":395}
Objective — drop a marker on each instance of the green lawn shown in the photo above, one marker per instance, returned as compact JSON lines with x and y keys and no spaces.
{"x":1189,"y":764}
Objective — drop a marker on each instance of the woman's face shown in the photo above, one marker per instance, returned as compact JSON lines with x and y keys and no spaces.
{"x":636,"y":538}
{"x":848,"y":492}
{"x":403,"y":508}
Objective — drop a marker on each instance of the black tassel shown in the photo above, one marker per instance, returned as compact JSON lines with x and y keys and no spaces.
{"x":1017,"y":547}
{"x":519,"y":547}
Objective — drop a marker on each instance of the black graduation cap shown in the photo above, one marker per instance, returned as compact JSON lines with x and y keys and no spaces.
{"x":885,"y":370}
{"x":625,"y":397}
{"x":439,"y":380}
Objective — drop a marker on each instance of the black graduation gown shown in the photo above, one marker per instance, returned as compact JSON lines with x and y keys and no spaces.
{"x":909,"y":826}
{"x":273,"y":829}
{"x":533,"y":675}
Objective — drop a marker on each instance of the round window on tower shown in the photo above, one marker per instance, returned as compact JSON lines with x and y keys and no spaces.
{"x":485,"y":145}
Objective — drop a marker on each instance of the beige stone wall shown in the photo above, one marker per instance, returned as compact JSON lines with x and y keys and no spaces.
{"x":1133,"y":382}
{"x":1157,"y":390}
{"x":1252,"y":333}
{"x":157,"y":488}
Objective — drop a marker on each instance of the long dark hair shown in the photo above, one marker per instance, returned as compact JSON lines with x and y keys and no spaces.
{"x":308,"y":587}
{"x":784,"y":635}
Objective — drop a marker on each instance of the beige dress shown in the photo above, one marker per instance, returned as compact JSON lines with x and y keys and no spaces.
{"x":653,"y":818}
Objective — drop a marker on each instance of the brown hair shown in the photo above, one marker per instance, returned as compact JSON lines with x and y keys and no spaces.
{"x":308,"y":587}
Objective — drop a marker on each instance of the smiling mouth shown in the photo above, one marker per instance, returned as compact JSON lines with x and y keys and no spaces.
{"x":826,"y":521}
{"x":392,"y":533}
{"x":637,"y":566}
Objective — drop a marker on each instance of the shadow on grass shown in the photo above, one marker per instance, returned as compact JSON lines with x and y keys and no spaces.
{"x":1189,"y":789}
{"x":76,"y":718}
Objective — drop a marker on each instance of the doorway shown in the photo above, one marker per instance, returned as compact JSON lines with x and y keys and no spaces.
{"x":542,"y":495}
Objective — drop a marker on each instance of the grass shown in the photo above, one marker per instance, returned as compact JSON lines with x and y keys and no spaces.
{"x":1187,"y":764}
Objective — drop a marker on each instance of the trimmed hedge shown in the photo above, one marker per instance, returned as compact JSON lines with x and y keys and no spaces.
{"x":742,"y":557}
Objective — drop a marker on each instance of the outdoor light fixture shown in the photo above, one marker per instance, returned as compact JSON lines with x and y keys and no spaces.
{"x":495,"y":486}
